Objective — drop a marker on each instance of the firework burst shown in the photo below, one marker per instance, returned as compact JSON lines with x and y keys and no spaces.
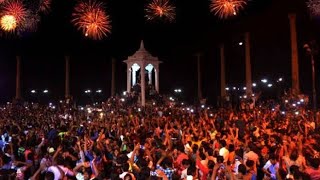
{"x":227,"y":8}
{"x":16,"y":9}
{"x":31,"y":24}
{"x":8,"y":23}
{"x":159,"y":9}
{"x":314,"y":7}
{"x":91,"y":19}
{"x":45,"y":6}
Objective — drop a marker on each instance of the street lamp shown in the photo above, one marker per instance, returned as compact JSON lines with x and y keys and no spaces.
{"x":45,"y":91}
{"x":312,"y":50}
{"x":33,"y":91}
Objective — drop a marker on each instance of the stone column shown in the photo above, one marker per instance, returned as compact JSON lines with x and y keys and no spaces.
{"x":222,"y":72}
{"x":199,"y":76}
{"x":113,"y":77}
{"x":18,"y":78}
{"x":128,"y":78}
{"x":67,"y":77}
{"x":248,"y":64}
{"x":143,"y":85}
{"x":156,"y":70}
{"x":294,"y":54}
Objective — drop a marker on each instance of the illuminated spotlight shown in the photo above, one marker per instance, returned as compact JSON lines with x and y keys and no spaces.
{"x":99,"y":91}
{"x":208,"y":108}
{"x":240,"y":97}
{"x":245,"y":97}
{"x":227,"y":89}
{"x":298,"y":103}
{"x":272,"y":109}
{"x":283,"y":112}
{"x":50,"y":104}
{"x":188,"y":109}
{"x":122,"y":99}
{"x":297,"y":113}
{"x":33,"y":91}
{"x":154,"y":103}
{"x":61,"y":101}
{"x":254,"y":84}
{"x":124,"y":93}
{"x":81,"y":108}
{"x":301,"y":100}
{"x":269,"y":85}
{"x":211,"y":115}
{"x":45,"y":91}
{"x":234,"y":88}
{"x":286,"y":101}
{"x":179,"y":90}
{"x":202,"y":106}
{"x":252,"y":95}
{"x":53,"y":107}
{"x":182,"y":109}
{"x":182,"y":103}
{"x":294,"y":105}
{"x":244,"y":88}
{"x":139,"y":109}
{"x":191,"y":110}
{"x":264,"y":80}
{"x":87,"y":91}
{"x":280,"y":79}
{"x":240,"y":43}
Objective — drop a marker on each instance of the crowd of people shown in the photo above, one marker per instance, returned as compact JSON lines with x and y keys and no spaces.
{"x":119,"y":139}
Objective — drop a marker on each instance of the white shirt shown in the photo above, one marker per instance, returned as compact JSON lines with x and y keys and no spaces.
{"x":56,"y":172}
{"x":184,"y":174}
{"x":225,"y":153}
{"x":272,"y":168}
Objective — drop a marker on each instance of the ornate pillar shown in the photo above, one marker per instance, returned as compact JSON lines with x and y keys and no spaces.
{"x":156,"y":70}
{"x":143,"y":85}
{"x":18,"y":78}
{"x":248,"y":64}
{"x":67,"y":77}
{"x":128,"y":78}
{"x":113,"y":77}
{"x":294,"y":53}
{"x":222,"y":72}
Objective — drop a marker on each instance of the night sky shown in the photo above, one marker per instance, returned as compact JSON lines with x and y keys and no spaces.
{"x":195,"y":30}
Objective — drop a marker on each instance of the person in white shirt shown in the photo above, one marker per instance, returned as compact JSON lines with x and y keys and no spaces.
{"x":271,"y":167}
{"x":224,"y":152}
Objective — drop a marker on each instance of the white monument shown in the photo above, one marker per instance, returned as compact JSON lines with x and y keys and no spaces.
{"x":142,"y":60}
